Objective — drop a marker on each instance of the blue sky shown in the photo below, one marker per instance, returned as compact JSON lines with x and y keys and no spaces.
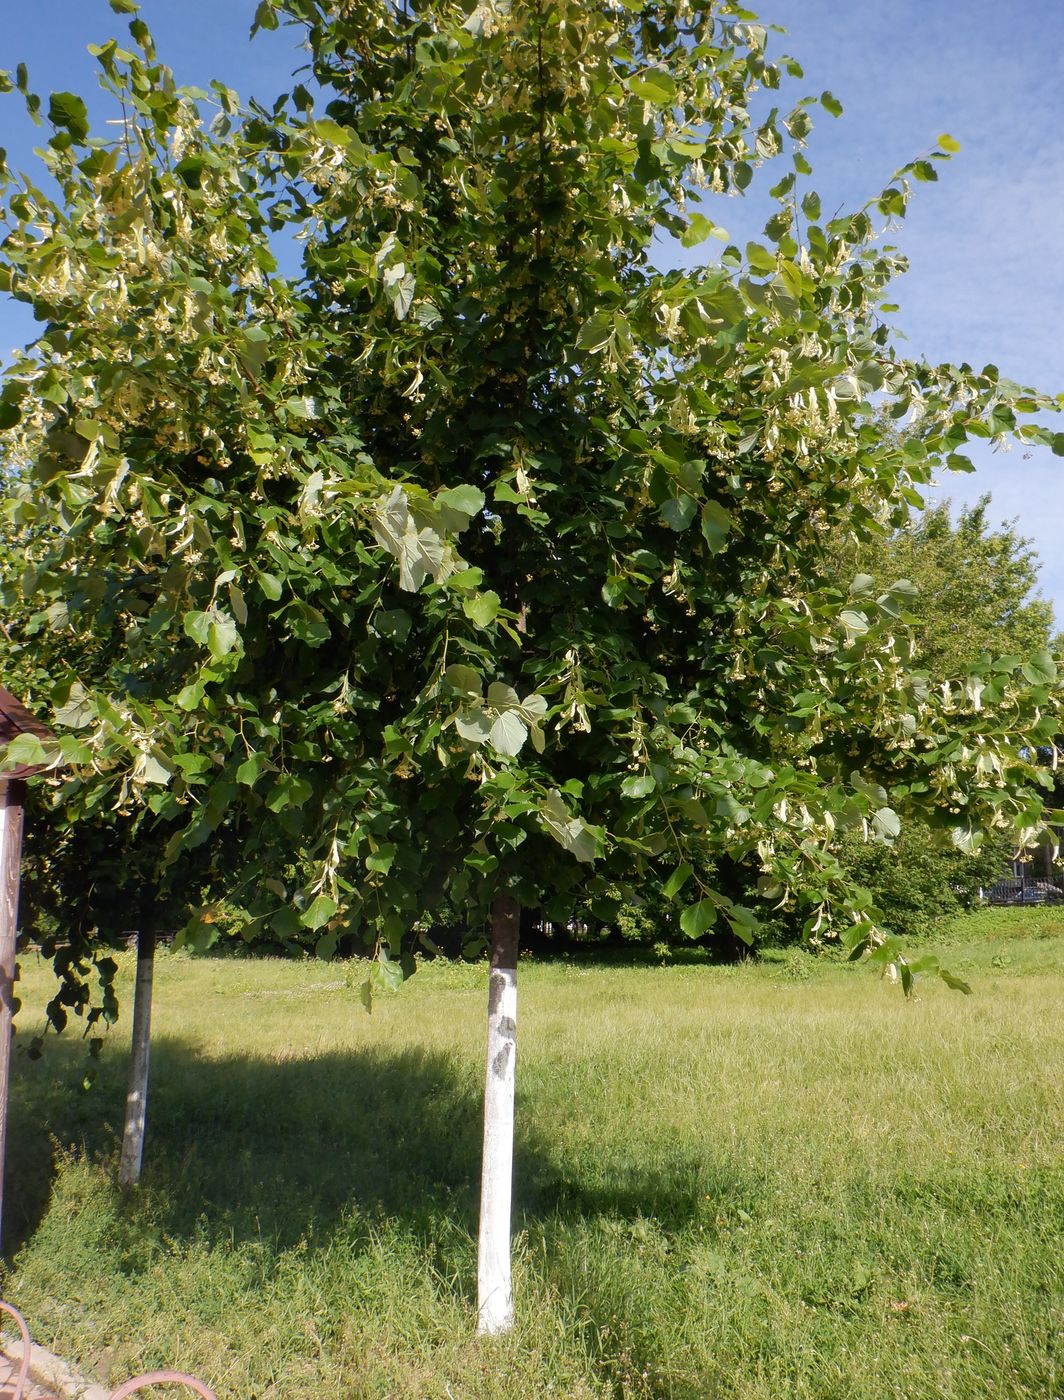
{"x":987,"y":278}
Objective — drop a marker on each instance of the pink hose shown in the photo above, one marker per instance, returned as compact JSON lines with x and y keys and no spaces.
{"x":162,"y":1378}
{"x":129,"y":1388}
{"x":24,"y":1369}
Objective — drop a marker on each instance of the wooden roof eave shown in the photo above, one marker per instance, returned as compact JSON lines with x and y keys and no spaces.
{"x":15,"y":719}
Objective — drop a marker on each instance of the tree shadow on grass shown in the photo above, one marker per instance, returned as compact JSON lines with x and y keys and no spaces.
{"x":253,"y":1148}
{"x":302,"y":1150}
{"x":274,"y":1149}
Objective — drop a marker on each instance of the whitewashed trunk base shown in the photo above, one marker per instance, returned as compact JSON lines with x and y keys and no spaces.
{"x":494,"y":1289}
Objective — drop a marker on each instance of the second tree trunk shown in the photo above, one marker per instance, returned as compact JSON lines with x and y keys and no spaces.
{"x":137,"y":1093}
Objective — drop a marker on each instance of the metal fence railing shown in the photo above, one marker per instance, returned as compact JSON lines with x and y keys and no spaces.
{"x":1026,"y":889}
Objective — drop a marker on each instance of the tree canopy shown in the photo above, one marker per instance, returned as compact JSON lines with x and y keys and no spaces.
{"x":479,"y":555}
{"x":977,"y":587}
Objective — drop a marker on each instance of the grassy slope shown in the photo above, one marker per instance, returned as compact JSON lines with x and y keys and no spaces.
{"x":753,"y":1182}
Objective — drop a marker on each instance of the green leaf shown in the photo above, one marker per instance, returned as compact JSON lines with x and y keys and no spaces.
{"x":420,"y":552}
{"x":508,"y":734}
{"x":393,"y":624}
{"x":333,"y":134}
{"x":533,"y":708}
{"x":66,"y":109}
{"x":699,"y":918}
{"x":318,"y":912}
{"x":886,"y":824}
{"x":124,"y":7}
{"x":676,"y":881}
{"x":716,"y":526}
{"x":190,"y":697}
{"x":290,"y":790}
{"x":382,"y":859}
{"x":1040,"y":669}
{"x":573,"y":833}
{"x":271,"y":586}
{"x":389,"y":971}
{"x":222,"y":635}
{"x":783,"y":187}
{"x":265,"y":17}
{"x":197,"y":625}
{"x":473,"y":725}
{"x":949,"y":143}
{"x":77,"y":710}
{"x":957,"y":984}
{"x":904,"y":589}
{"x":482,"y":609}
{"x":760,"y":258}
{"x":325,"y":948}
{"x":679,"y":511}
{"x":744,"y":923}
{"x":252,"y":768}
{"x":464,"y":679}
{"x":308,"y":624}
{"x":831,"y":103}
{"x":24,"y":749}
{"x":966,"y":839}
{"x":502,"y":696}
{"x":596,"y":331}
{"x":467,"y":500}
{"x":638,"y":785}
{"x":190,"y":170}
{"x":148,"y":769}
{"x":655,"y":86}
{"x":779,"y":225}
{"x":698,"y":229}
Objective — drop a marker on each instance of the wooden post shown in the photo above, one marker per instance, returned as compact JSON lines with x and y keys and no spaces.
{"x":15,"y":720}
{"x":12,"y":809}
{"x":495,"y":1310}
{"x":137,"y":1093}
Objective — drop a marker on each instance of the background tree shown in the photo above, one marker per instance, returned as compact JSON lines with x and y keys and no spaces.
{"x":976,"y":587}
{"x":976,"y":599}
{"x":483,"y":562}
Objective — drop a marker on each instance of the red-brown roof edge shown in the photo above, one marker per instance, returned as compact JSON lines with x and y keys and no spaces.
{"x":15,"y":719}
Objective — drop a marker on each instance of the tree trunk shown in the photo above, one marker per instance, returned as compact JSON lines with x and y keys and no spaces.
{"x":137,"y":1093}
{"x":12,"y":807}
{"x":495,"y":1309}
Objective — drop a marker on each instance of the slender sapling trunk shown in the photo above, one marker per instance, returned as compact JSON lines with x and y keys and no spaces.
{"x":137,"y":1094}
{"x":495,"y":1311}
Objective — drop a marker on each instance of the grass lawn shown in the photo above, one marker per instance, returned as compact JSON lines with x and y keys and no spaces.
{"x":770,"y":1181}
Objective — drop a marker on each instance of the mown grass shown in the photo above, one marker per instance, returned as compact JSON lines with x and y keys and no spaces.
{"x":751,"y":1182}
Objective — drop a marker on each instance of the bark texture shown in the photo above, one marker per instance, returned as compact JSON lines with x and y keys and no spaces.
{"x":137,"y":1093}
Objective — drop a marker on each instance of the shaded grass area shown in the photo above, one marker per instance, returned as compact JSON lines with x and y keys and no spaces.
{"x":758,"y":1181}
